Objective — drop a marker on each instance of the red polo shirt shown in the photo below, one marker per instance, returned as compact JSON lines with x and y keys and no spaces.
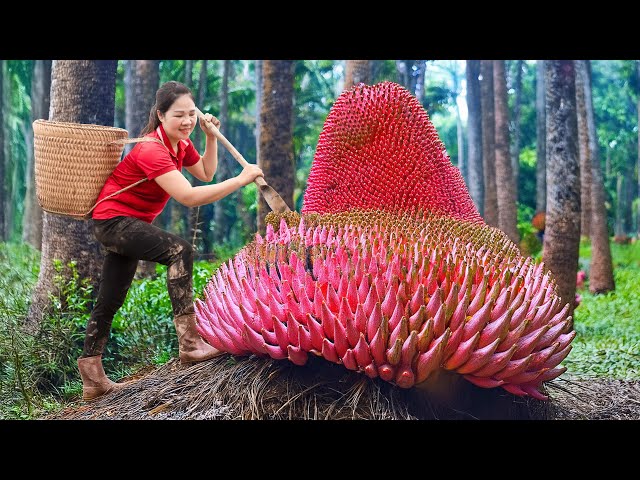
{"x":146,"y":160}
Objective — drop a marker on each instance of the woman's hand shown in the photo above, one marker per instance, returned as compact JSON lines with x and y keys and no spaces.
{"x":249,"y":174}
{"x":209,"y":118}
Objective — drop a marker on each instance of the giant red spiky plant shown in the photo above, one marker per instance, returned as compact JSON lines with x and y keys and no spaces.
{"x":389,"y":270}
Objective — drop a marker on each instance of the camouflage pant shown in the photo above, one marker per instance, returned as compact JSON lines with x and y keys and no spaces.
{"x":126,"y":241}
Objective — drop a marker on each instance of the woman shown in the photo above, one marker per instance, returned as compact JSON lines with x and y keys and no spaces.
{"x":122,"y":224}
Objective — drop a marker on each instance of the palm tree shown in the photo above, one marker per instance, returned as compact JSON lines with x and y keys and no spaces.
{"x":506,"y":194}
{"x":222,"y":208}
{"x":562,"y":232}
{"x":541,"y":140}
{"x":601,"y":270}
{"x":474,"y":132}
{"x":488,"y":143}
{"x":143,"y":80}
{"x":356,"y":71}
{"x":40,"y":89}
{"x":276,"y":132}
{"x":585,"y":159}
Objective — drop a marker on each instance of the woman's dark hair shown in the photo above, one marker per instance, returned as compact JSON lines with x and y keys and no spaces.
{"x":165,"y":96}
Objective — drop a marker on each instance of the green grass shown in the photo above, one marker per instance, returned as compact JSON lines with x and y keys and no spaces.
{"x":607,"y":342}
{"x":38,"y":373}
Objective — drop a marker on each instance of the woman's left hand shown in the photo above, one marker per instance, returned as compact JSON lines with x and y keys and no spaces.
{"x":209,"y":118}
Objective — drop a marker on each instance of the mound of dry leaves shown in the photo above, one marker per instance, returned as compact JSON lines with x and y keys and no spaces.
{"x":245,"y":388}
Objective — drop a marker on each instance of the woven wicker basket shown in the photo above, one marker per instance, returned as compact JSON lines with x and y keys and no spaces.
{"x":72,"y":163}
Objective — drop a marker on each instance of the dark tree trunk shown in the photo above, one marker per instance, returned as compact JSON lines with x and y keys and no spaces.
{"x":488,"y":143}
{"x":357,"y":71}
{"x":179,"y":215}
{"x":515,"y":152}
{"x":140,"y":95}
{"x":40,"y":89}
{"x":541,"y":141}
{"x":258,"y":105}
{"x":507,"y":215}
{"x":82,"y":91}
{"x":601,"y":270}
{"x":585,"y":160}
{"x":222,"y":208}
{"x":276,"y":136}
{"x":474,"y":135}
{"x":188,"y":73}
{"x":205,"y":212}
{"x":562,"y":232}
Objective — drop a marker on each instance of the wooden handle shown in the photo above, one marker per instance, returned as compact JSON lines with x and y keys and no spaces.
{"x":227,"y":144}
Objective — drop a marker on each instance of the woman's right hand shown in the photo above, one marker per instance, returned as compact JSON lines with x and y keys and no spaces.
{"x":249,"y":174}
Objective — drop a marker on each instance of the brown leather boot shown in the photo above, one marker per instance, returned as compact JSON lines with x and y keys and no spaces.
{"x":95,"y":382}
{"x":191,"y":346}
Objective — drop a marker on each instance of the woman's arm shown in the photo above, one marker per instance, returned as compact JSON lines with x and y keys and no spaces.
{"x":176,"y":185}
{"x":208,"y":163}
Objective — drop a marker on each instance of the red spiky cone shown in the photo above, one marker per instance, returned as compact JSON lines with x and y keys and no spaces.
{"x":390,"y":284}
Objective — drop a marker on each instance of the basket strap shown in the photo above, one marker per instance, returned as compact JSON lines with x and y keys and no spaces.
{"x":124,"y":142}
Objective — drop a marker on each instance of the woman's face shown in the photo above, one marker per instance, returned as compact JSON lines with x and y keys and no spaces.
{"x":180,"y":120}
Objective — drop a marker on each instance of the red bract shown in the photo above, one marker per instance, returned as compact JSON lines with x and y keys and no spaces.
{"x":379,"y":150}
{"x":394,"y":285}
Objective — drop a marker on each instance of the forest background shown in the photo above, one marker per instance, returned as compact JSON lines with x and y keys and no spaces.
{"x":232,"y":90}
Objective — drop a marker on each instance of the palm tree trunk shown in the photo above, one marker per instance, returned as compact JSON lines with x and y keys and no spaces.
{"x":356,"y":71}
{"x":82,"y":91}
{"x":140,"y":95}
{"x":562,"y":232}
{"x":205,"y":212}
{"x":585,"y":160}
{"x":541,"y":141}
{"x":258,"y":69}
{"x":515,"y":154}
{"x":474,"y":135}
{"x":222,"y":208}
{"x":488,"y":144}
{"x":40,"y":89}
{"x":506,"y":195}
{"x":276,"y":135}
{"x":601,"y":270}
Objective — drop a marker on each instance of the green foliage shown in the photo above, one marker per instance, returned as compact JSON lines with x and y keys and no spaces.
{"x":17,"y":125}
{"x":530,"y":244}
{"x":38,"y":371}
{"x":315,"y":90}
{"x":528,"y":101}
{"x":607,"y":343}
{"x":35,"y":366}
{"x":447,"y":129}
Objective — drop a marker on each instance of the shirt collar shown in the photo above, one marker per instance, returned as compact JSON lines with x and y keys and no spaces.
{"x":182,"y":144}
